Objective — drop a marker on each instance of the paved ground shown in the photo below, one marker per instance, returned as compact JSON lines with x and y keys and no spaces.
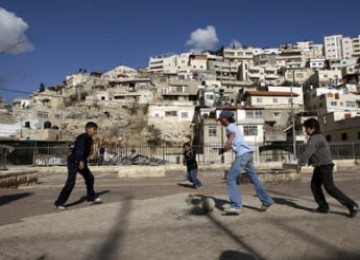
{"x":149,"y":219}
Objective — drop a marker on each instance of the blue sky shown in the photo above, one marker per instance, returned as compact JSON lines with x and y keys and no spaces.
{"x":66,"y":35}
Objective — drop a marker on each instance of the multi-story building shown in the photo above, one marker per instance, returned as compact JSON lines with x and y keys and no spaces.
{"x":356,"y":46}
{"x":261,"y":75}
{"x":325,"y":100}
{"x":333,"y":47}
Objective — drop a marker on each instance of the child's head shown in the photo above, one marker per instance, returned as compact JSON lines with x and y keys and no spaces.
{"x":91,"y":128}
{"x":311,"y":126}
{"x":226,"y":117}
{"x":186,"y":147}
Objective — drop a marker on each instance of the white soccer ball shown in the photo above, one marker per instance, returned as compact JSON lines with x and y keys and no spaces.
{"x":208,"y":204}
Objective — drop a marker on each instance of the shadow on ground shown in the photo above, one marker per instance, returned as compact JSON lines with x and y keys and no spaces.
{"x":83,"y":199}
{"x":10,"y":198}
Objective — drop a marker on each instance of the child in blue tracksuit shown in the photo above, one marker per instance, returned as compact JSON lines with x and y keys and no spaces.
{"x":191,"y":165}
{"x":77,"y":162}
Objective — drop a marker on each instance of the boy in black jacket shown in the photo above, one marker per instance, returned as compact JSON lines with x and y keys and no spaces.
{"x":77,"y":162}
{"x":191,"y":165}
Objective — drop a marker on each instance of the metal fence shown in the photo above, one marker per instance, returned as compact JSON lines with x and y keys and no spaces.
{"x":52,"y":154}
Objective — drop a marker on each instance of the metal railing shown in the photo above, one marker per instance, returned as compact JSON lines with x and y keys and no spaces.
{"x":52,"y":154}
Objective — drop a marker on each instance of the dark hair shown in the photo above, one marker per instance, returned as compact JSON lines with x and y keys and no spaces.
{"x":312,"y":123}
{"x":186,"y":144}
{"x":231,"y":119}
{"x":91,"y":125}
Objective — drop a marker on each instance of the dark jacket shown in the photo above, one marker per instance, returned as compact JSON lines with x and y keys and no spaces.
{"x":317,"y":151}
{"x":82,"y":148}
{"x":190,"y":159}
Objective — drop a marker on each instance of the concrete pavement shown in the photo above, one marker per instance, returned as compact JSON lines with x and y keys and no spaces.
{"x":148,"y":218}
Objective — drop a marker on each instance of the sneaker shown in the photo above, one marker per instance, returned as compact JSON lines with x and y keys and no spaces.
{"x":232,"y":211}
{"x":199,"y":187}
{"x":265,"y":206}
{"x":61,"y":207}
{"x":322,"y":210}
{"x":353,"y":211}
{"x":185,"y":183}
{"x":96,"y":201}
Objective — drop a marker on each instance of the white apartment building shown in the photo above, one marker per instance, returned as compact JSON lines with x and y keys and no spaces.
{"x":323,"y":78}
{"x":338,"y":47}
{"x":297,"y":76}
{"x":238,"y":55}
{"x":356,"y":46}
{"x":317,"y":63}
{"x":262,"y":75}
{"x":183,"y":63}
{"x":323,"y":101}
{"x":224,"y":70}
{"x":162,"y":63}
{"x":332,"y":47}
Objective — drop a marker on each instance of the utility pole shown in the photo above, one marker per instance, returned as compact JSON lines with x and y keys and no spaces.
{"x":293,"y":117}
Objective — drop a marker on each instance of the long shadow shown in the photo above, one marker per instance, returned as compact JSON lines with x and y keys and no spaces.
{"x":111,"y":248}
{"x":219,"y":203}
{"x":319,"y":242}
{"x":5,"y":199}
{"x":236,"y":238}
{"x":83,"y":199}
{"x":291,"y":203}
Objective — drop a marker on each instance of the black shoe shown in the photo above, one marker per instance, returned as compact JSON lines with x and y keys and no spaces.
{"x":322,"y":210}
{"x":265,"y":206}
{"x":353,"y":211}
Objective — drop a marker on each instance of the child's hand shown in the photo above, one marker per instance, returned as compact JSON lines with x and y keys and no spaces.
{"x":222,"y":150}
{"x":81,"y":165}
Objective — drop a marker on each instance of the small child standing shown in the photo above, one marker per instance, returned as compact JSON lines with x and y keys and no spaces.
{"x":191,"y":165}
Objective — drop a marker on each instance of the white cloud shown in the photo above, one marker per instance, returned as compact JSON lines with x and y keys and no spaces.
{"x":12,"y":31}
{"x":203,"y":39}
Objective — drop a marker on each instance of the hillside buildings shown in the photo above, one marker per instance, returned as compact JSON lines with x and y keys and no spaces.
{"x":271,"y":91}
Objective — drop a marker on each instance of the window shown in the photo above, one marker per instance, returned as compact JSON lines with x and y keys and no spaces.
{"x":259,"y":100}
{"x":358,"y":135}
{"x":42,"y":114}
{"x":184,"y":114}
{"x":251,"y":114}
{"x":333,"y":103}
{"x":212,"y":131}
{"x":344,"y":137}
{"x":250,"y":130}
{"x":58,"y":116}
{"x":171,"y":113}
{"x":350,"y":103}
{"x":328,"y":138}
{"x":275,"y":100}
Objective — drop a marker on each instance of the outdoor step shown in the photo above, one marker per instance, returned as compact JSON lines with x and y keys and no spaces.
{"x":16,"y":177}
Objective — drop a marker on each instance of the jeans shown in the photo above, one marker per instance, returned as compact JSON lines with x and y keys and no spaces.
{"x":323,"y":175}
{"x":70,"y":183}
{"x":241,"y":162}
{"x":191,"y":176}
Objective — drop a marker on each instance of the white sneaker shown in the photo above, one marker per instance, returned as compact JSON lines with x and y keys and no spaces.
{"x":98,"y":200}
{"x":185,"y":182}
{"x":60,"y":207}
{"x":232,"y":211}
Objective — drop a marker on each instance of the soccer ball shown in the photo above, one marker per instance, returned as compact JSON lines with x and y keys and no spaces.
{"x":208,"y":204}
